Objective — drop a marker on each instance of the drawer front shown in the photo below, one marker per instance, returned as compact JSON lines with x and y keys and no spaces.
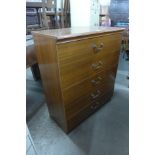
{"x":71,"y":94}
{"x":104,"y":98}
{"x":98,"y":80}
{"x":111,"y":72}
{"x":75,"y":107}
{"x":106,"y":46}
{"x":105,"y":80}
{"x":74,"y":62}
{"x":75,"y":117}
{"x":82,"y":102}
{"x":105,"y":63}
{"x":93,"y":86}
{"x":77,"y":59}
{"x":74,"y":72}
{"x":101,"y":84}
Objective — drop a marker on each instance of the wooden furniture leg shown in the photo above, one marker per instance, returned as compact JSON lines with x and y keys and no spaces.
{"x":127,"y":53}
{"x":35,"y":72}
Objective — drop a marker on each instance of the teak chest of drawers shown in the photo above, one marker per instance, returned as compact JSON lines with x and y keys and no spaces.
{"x":78,"y":68}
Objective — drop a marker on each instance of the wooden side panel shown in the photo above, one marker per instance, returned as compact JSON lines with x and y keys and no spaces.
{"x":47,"y":58}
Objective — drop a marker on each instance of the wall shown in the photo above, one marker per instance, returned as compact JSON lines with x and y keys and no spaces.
{"x":119,"y":10}
{"x":80,"y":13}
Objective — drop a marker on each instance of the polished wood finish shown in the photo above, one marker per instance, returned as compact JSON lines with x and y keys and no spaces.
{"x":30,"y":55}
{"x":87,"y":109}
{"x":78,"y":70}
{"x":71,"y":33}
{"x":48,"y":65}
{"x":81,"y":54}
{"x":31,"y":59}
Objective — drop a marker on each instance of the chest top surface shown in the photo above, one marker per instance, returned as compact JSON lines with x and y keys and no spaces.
{"x":66,"y":33}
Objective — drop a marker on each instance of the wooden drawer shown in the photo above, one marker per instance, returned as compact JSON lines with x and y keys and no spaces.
{"x":73,"y":93}
{"x":108,"y":77}
{"x":75,"y":117}
{"x":111,"y":73}
{"x":75,"y":107}
{"x":98,"y":79}
{"x":100,"y":82}
{"x":83,"y":114}
{"x":106,"y":62}
{"x":78,"y":104}
{"x":74,"y":72}
{"x":76,"y":59}
{"x":105,"y":79}
{"x":106,"y":46}
{"x":112,"y":60}
{"x":105,"y":97}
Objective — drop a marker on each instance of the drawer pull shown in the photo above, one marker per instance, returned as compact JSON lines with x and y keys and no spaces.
{"x":94,"y":106}
{"x":94,"y":96}
{"x":97,"y":49}
{"x":97,"y":103}
{"x":97,"y":81}
{"x":99,"y":78}
{"x":97,"y":65}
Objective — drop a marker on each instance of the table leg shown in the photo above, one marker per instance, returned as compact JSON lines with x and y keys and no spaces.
{"x":35,"y":72}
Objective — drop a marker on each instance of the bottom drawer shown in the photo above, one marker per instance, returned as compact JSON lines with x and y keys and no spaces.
{"x":87,"y":110}
{"x":101,"y":101}
{"x":74,"y":108}
{"x":78,"y":105}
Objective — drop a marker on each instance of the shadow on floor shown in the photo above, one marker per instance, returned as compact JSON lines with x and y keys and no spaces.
{"x":34,"y":95}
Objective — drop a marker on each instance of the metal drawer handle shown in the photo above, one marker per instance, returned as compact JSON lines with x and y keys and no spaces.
{"x":100,"y":62}
{"x":95,"y":105}
{"x":97,"y":49}
{"x":94,"y":96}
{"x":97,"y":81}
{"x":97,"y":65}
{"x":99,"y":78}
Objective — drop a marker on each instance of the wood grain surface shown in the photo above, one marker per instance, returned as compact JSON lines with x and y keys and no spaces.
{"x":78,"y":69}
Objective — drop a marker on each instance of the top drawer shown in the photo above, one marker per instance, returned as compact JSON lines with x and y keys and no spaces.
{"x":75,"y":58}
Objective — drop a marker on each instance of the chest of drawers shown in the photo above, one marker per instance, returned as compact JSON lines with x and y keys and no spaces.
{"x":78,"y":68}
